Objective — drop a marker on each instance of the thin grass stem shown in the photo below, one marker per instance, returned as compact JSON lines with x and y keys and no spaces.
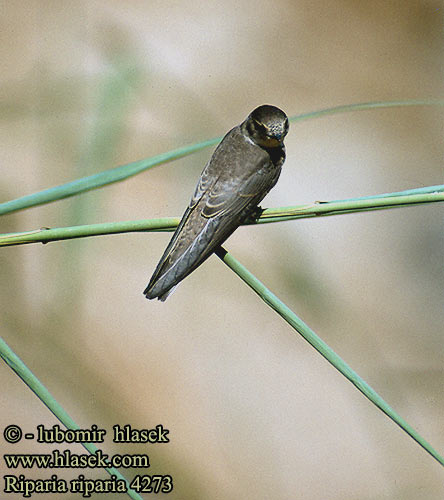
{"x":19,"y":367}
{"x":327,"y":352}
{"x":123,"y":172}
{"x":430,"y":194}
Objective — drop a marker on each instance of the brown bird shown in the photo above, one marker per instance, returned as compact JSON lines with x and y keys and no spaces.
{"x":244,"y":167}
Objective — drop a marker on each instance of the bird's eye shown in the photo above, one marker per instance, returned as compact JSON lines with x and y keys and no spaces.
{"x":260,"y":126}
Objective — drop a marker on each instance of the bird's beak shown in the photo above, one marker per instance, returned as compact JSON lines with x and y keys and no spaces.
{"x":274,"y":141}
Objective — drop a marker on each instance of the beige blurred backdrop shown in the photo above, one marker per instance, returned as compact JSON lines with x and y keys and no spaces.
{"x":253,"y":411}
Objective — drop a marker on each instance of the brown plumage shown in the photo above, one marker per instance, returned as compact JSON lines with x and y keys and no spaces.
{"x":244,"y":167}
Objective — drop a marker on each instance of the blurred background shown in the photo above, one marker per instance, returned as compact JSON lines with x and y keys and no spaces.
{"x":253,"y":411}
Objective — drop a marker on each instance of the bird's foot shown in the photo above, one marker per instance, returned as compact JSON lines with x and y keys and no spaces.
{"x":254,"y":216}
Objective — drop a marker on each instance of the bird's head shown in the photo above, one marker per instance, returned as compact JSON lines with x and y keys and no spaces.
{"x":267,"y":126}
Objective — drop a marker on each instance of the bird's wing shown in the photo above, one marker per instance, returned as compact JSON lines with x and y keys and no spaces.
{"x":161,"y":265}
{"x":216,"y":209}
{"x":225,"y":198}
{"x":207,"y":180}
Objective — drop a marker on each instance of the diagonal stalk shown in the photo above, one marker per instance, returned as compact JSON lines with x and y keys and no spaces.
{"x":310,"y":336}
{"x":123,"y":172}
{"x":19,"y":367}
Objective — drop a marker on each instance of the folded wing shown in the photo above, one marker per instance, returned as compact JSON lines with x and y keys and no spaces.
{"x":217,"y":208}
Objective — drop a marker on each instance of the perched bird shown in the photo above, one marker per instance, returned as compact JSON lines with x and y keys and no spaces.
{"x":244,"y":167}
